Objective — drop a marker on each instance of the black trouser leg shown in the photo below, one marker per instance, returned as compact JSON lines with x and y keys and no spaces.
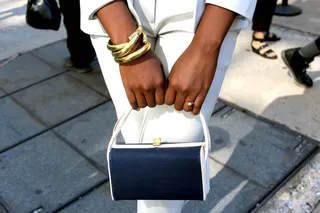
{"x":263,"y":15}
{"x":78,"y":43}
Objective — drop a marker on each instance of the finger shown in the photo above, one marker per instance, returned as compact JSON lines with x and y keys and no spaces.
{"x":159,"y":95}
{"x":188,"y":104}
{"x":179,"y":101}
{"x":150,"y":98}
{"x":142,"y":103}
{"x":132,"y":100}
{"x":198,"y":103}
{"x":170,"y":96}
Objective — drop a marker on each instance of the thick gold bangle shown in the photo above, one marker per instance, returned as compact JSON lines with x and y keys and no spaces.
{"x":125,"y":46}
{"x":116,"y":47}
{"x":134,"y":55}
{"x":126,"y":49}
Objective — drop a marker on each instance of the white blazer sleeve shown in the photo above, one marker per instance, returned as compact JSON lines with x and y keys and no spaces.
{"x":90,"y":7}
{"x":90,"y":24}
{"x":244,"y":8}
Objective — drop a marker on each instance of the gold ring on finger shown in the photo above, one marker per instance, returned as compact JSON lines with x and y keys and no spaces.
{"x":190,"y":103}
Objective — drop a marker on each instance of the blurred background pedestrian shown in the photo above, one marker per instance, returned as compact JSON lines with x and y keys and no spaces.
{"x":261,"y":25}
{"x":79,"y":44}
{"x":298,"y":60}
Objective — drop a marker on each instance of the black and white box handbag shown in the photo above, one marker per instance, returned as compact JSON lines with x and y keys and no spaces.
{"x":158,"y":170}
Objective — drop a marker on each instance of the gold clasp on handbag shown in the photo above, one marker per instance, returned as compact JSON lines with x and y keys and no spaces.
{"x":156,"y":141}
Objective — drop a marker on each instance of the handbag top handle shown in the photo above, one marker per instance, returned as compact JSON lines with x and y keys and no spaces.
{"x":119,"y":124}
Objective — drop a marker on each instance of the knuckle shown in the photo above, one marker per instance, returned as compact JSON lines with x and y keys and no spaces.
{"x":146,"y":87}
{"x":175,"y":84}
{"x":183,"y":88}
{"x":159,"y":82}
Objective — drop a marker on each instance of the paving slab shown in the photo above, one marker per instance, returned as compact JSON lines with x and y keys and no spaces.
{"x":98,"y":201}
{"x":307,"y":21}
{"x":91,"y":132}
{"x":58,"y":99}
{"x":16,"y":36}
{"x":230,"y":192}
{"x":253,"y":148}
{"x":24,"y":71}
{"x":93,"y":79}
{"x":15,"y":123}
{"x":55,"y":54}
{"x":263,"y":87}
{"x":44,"y":172}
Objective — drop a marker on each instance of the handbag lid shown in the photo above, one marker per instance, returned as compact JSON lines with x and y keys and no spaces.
{"x":119,"y":124}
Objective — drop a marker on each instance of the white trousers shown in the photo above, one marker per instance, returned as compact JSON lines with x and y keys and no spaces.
{"x":162,"y":121}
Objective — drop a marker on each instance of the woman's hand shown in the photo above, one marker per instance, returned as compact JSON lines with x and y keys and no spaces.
{"x":190,"y":78}
{"x":192,"y":74}
{"x":144,"y":81}
{"x":143,"y":78}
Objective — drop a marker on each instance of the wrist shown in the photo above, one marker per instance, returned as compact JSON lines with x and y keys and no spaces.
{"x":208,"y":46}
{"x":213,"y":27}
{"x":118,"y":29}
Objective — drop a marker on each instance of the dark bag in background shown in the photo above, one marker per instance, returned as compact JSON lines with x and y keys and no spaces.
{"x":43,"y":14}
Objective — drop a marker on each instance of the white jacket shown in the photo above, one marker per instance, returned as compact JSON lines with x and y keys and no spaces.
{"x":245,"y":8}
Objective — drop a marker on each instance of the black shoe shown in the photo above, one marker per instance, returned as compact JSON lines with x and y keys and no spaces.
{"x":297,"y":66}
{"x":69,"y":65}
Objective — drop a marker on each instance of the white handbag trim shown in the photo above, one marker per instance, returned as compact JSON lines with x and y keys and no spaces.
{"x":206,"y":147}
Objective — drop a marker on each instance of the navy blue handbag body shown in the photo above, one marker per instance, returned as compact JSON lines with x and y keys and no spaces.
{"x":158,"y":170}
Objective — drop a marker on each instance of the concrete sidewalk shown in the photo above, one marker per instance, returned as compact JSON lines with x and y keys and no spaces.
{"x":54,"y":128}
{"x":263,"y":86}
{"x":16,"y":36}
{"x":308,"y":21}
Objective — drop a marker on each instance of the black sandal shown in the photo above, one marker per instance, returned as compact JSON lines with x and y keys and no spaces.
{"x":273,"y":37}
{"x":265,"y":54}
